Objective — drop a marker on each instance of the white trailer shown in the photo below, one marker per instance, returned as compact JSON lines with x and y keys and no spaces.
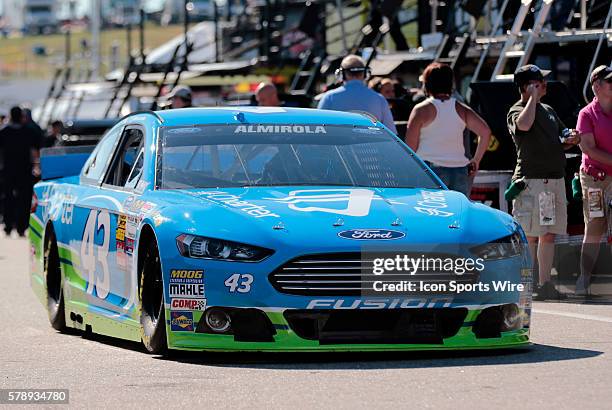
{"x":31,"y":16}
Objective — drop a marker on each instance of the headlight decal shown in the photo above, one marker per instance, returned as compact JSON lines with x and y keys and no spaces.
{"x":506,"y":247}
{"x":193,"y":246}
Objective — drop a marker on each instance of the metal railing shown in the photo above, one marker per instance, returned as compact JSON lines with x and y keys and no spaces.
{"x":604,"y":36}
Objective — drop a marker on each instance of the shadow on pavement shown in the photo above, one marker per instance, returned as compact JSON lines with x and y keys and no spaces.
{"x":107,"y":340}
{"x":536,"y":353}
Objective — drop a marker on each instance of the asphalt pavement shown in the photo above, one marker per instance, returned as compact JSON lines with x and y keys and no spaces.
{"x":568,"y":366}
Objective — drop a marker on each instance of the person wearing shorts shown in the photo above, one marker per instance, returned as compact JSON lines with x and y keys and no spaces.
{"x":595,"y":128}
{"x":541,"y":207}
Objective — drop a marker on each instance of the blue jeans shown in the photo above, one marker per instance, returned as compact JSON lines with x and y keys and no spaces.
{"x":455,"y":178}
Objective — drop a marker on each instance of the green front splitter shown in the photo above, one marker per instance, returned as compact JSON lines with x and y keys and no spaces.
{"x":288,"y":341}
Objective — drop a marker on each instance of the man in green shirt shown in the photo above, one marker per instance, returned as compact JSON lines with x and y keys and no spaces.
{"x":541,"y":207}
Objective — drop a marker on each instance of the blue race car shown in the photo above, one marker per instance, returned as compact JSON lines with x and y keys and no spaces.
{"x":271,"y":229}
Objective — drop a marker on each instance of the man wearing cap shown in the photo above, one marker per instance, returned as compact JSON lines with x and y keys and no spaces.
{"x":595,"y":128}
{"x":354,"y":95}
{"x":541,"y":207}
{"x":180,"y":96}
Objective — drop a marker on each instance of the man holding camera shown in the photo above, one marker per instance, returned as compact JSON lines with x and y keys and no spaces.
{"x":595,"y":127}
{"x":541,"y":207}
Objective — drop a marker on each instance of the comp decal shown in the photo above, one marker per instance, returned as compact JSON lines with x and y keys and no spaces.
{"x":181,"y":321}
{"x":188,"y":304}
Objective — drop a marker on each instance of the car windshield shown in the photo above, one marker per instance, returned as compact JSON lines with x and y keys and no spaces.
{"x":210,"y":156}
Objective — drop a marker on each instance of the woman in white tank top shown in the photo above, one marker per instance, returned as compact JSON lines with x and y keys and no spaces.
{"x":436,"y":126}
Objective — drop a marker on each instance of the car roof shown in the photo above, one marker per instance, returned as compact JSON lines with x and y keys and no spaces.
{"x":261,"y":115}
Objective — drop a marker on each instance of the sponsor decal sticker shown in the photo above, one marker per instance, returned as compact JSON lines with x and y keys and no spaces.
{"x":433,"y":204}
{"x":193,"y":290}
{"x":379,"y":303}
{"x":136,"y":205}
{"x":131,"y":226}
{"x":369,"y":130}
{"x":181,"y":321}
{"x":120,"y":256}
{"x":281,"y":129}
{"x":158,"y":218}
{"x":351,"y":202}
{"x":258,"y":211}
{"x":120,"y":232}
{"x":129,"y":246}
{"x":371,"y":234}
{"x":58,"y":205}
{"x":186,"y":276}
{"x":188,"y":304}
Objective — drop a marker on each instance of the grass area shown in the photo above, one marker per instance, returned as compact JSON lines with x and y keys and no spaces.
{"x":17,"y":57}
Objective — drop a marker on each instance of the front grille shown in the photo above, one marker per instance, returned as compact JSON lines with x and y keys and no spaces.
{"x":340,"y":274}
{"x":406,"y":326}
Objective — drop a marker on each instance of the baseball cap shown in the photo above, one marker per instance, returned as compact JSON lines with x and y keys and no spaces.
{"x":181,"y":91}
{"x":601,"y":72}
{"x":528,"y":73}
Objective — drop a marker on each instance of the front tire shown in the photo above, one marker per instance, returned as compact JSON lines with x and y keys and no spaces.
{"x":152,"y":309}
{"x":53,"y":275}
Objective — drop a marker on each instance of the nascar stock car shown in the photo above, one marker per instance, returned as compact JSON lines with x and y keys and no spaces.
{"x":257,"y":229}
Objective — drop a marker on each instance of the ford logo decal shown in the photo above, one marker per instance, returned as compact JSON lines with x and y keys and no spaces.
{"x":371,"y":234}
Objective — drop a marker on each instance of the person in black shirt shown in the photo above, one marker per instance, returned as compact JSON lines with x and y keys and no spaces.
{"x":19,"y":144}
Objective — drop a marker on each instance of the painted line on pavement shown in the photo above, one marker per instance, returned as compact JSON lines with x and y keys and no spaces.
{"x":574,"y":315}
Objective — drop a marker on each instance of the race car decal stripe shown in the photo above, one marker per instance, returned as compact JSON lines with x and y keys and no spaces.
{"x":281,"y":327}
{"x":75,"y":279}
{"x":37,"y":221}
{"x":109,"y":313}
{"x":65,"y":261}
{"x":67,"y":252}
{"x":34,"y":231}
{"x":115,"y":202}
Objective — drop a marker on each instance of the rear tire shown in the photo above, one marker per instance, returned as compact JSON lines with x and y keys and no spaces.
{"x":53,"y":276}
{"x":152,"y":308}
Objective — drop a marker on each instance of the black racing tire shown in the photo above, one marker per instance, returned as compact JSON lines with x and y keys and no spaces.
{"x":152,"y":309}
{"x":53,"y":279}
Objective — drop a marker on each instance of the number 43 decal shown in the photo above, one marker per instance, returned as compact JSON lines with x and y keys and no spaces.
{"x":89,"y":250}
{"x":239,"y":283}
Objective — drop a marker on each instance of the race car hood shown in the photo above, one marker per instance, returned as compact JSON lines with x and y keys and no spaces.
{"x":309,"y":216}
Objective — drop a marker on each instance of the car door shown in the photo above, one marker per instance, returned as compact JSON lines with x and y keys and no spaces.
{"x":105,"y":251}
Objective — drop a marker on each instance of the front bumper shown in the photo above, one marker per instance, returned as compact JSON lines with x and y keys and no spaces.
{"x":277,"y":308}
{"x":287,"y":339}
